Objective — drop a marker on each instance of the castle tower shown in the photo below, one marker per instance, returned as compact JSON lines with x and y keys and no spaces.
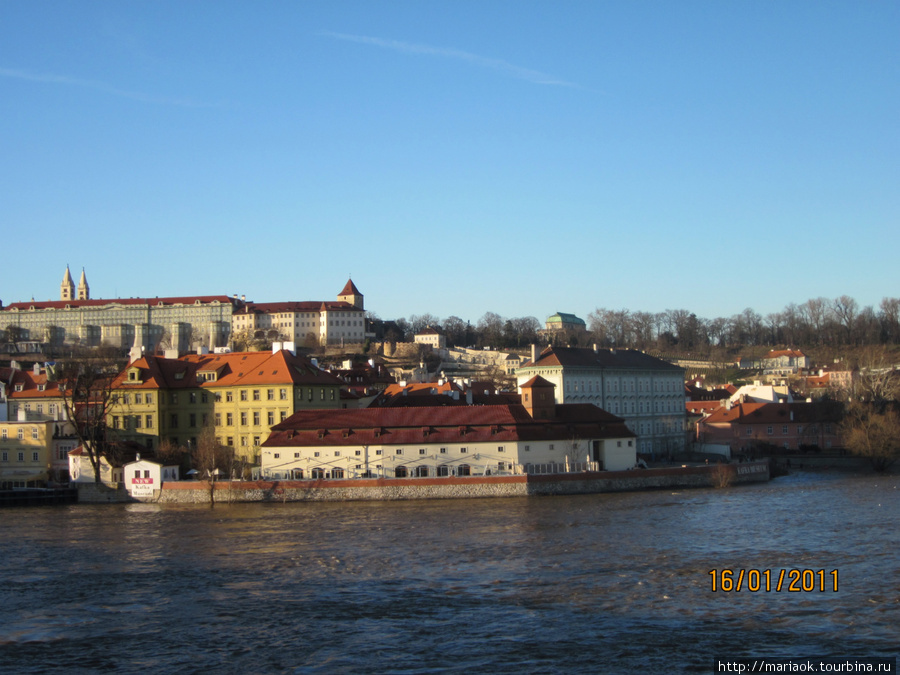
{"x":538,"y":398}
{"x":84,"y":291}
{"x":67,"y":287}
{"x":351,"y":294}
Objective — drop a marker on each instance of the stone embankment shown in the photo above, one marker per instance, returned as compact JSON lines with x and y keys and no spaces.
{"x":454,"y":487}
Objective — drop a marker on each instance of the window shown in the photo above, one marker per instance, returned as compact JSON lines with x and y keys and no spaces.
{"x":229,"y":419}
{"x":243,"y":394}
{"x":358,"y":453}
{"x":421,"y":451}
{"x":270,"y":395}
{"x":243,"y":419}
{"x":229,"y":441}
{"x":769,"y":430}
{"x":174,"y":421}
{"x":443,"y":451}
{"x":270,"y":418}
{"x":527,"y":448}
{"x":34,"y":433}
{"x":256,"y":394}
{"x":283,"y":415}
{"x":243,"y":441}
{"x":34,"y":457}
{"x":148,"y":398}
{"x":217,"y":420}
{"x":316,"y":453}
{"x":296,"y":455}
{"x":6,"y":456}
{"x":337,"y":453}
{"x":784,"y":429}
{"x":192,"y":420}
{"x":282,"y":394}
{"x":551,"y":446}
{"x":204,"y":397}
{"x":277,"y":455}
{"x":138,"y":398}
{"x":500,"y":448}
{"x":173,"y":397}
{"x":398,"y":451}
{"x":463,"y":451}
{"x":749,"y":430}
{"x":229,"y":397}
{"x":378,"y":452}
{"x":256,"y":419}
{"x":137,"y":421}
{"x":148,"y":419}
{"x":192,"y":397}
{"x":115,"y":422}
{"x":21,"y":456}
{"x":256,"y":441}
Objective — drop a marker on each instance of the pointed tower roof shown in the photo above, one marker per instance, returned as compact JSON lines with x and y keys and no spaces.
{"x":67,"y":277}
{"x":350,"y":289}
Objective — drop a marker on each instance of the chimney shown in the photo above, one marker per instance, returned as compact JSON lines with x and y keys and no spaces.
{"x":534,"y":353}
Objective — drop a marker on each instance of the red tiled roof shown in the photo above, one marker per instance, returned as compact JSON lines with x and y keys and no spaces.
{"x":776,"y":413}
{"x":62,"y":304}
{"x":298,"y":306}
{"x":350,"y":288}
{"x":234,"y":369}
{"x":31,"y":384}
{"x":443,"y":424}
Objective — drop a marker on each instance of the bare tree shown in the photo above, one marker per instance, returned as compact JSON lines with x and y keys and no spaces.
{"x":872,"y":432}
{"x":85,"y":382}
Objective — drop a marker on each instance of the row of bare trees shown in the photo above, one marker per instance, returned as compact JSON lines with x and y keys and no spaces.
{"x":817,"y":322}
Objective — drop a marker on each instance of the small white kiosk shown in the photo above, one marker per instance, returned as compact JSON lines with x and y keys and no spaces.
{"x":142,"y":476}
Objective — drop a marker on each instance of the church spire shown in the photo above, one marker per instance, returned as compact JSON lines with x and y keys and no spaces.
{"x":67,"y":287}
{"x":84,"y":291}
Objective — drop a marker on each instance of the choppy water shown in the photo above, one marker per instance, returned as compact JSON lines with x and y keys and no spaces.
{"x":596,"y":583}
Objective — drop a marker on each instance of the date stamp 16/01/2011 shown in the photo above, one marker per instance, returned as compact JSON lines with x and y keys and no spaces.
{"x":767,"y":581}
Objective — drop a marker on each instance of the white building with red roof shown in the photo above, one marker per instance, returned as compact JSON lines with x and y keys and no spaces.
{"x":646,"y":391}
{"x":322,"y":321}
{"x":535,"y":436}
{"x":182,"y":323}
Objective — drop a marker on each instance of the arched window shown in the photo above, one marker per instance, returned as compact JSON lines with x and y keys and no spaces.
{"x":464,"y":470}
{"x":443,"y":470}
{"x":400,"y":472}
{"x":318,"y":473}
{"x":421,"y":472}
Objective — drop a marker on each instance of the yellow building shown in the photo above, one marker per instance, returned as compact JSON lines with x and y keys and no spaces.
{"x":25,"y":453}
{"x":239,"y":395}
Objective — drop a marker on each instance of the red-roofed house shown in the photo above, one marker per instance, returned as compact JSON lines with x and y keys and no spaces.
{"x":240,"y":395}
{"x":536,"y":436}
{"x":791,"y":426}
{"x":322,"y":322}
{"x":647,"y":392}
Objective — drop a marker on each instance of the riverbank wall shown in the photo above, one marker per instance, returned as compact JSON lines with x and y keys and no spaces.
{"x":450,"y":487}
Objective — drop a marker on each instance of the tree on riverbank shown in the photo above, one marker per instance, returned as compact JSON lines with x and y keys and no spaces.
{"x":873,"y":432}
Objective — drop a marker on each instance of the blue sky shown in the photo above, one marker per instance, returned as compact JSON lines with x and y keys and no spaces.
{"x":456,"y":158}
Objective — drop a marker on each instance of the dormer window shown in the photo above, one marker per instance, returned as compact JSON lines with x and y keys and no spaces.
{"x":41,"y":387}
{"x":19,"y":387}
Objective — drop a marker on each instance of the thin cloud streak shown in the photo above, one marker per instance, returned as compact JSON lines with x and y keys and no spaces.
{"x":96,"y":85}
{"x":499,"y":65}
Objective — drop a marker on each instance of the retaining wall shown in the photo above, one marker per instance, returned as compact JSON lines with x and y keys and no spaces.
{"x":454,"y":487}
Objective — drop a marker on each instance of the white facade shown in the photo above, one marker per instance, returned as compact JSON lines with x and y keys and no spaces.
{"x":446,"y":459}
{"x":142,"y":477}
{"x":646,"y":392}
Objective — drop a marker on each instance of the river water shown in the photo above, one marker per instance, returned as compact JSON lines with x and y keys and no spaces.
{"x":578,"y":584}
